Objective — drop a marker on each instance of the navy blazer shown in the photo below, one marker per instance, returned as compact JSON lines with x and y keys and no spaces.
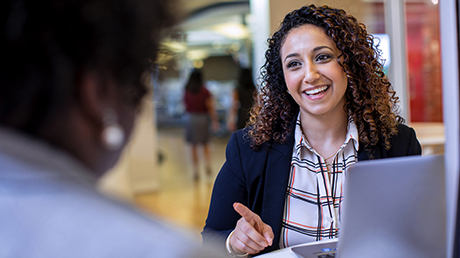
{"x":259,"y":179}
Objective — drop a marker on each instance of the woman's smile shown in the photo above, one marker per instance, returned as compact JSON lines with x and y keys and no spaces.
{"x":316,"y":93}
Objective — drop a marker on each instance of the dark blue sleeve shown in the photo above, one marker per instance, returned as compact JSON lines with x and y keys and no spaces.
{"x":405,"y":143}
{"x":229,"y":187}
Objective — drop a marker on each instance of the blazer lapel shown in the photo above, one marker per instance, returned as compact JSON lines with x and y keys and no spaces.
{"x":276,"y":181}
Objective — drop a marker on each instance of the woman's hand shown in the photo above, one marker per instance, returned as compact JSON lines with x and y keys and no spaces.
{"x":251,"y":234}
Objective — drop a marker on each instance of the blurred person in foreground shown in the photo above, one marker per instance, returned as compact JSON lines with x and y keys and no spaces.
{"x":242,"y":101}
{"x":324,"y":104}
{"x":201,"y":114}
{"x":70,"y":88}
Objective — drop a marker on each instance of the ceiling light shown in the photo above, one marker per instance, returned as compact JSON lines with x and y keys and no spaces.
{"x":198,"y":64}
{"x":232,"y":30}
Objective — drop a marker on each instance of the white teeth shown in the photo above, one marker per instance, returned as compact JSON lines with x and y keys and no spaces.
{"x":317,"y":90}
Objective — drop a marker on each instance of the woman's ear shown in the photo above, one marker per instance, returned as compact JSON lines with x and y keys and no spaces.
{"x":100,"y":105}
{"x":96,"y":93}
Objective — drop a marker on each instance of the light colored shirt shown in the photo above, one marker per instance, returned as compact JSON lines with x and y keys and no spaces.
{"x":49,"y":207}
{"x":314,"y":195}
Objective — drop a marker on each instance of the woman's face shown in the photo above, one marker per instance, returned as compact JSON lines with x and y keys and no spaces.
{"x":313,"y":75}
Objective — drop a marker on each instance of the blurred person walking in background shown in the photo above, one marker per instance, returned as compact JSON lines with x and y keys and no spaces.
{"x":243,"y":99}
{"x":199,"y":105}
{"x":70,"y":89}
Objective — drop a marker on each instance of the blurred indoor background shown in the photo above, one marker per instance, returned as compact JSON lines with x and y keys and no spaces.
{"x":220,"y":37}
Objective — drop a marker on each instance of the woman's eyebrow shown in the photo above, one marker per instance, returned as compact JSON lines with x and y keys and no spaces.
{"x":290,"y":55}
{"x":320,"y":47}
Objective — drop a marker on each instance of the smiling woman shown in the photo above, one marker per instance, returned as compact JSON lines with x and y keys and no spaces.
{"x":324,"y":105}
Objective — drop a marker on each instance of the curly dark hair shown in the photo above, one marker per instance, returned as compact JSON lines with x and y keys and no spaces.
{"x":371,"y":100}
{"x":48,"y":44}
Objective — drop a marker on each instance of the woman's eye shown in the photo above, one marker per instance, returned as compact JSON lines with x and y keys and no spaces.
{"x":293,"y":64}
{"x":323,"y":57}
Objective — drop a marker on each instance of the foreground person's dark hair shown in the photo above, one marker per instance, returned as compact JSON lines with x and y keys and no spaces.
{"x":48,"y":44}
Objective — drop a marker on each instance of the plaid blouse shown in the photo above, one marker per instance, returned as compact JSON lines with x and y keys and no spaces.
{"x":314,"y":196}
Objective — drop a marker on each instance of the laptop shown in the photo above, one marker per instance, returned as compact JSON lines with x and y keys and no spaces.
{"x":392,"y":208}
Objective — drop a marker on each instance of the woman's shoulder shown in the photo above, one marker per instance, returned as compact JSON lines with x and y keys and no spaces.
{"x":405,"y":141}
{"x":204,"y":90}
{"x":404,"y":131}
{"x":242,"y":136}
{"x":244,"y":141}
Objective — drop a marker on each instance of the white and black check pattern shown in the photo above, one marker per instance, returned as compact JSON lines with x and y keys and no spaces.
{"x":314,"y":196}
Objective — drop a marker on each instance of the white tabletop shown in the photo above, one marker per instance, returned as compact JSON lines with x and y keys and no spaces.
{"x":282,"y":253}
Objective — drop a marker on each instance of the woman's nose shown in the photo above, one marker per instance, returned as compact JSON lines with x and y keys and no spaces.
{"x":311,"y":73}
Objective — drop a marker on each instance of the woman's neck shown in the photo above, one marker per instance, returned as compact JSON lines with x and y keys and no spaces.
{"x":325,"y":134}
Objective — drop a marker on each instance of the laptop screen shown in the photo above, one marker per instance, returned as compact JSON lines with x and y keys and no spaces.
{"x":394,"y":208}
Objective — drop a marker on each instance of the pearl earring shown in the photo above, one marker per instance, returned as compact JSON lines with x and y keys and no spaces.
{"x":112,"y":134}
